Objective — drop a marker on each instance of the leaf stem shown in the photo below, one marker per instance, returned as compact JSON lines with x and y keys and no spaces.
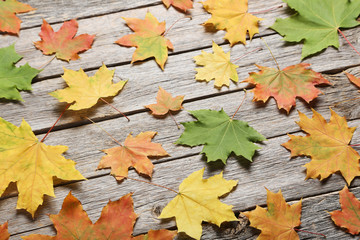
{"x":267,"y":10}
{"x":239,"y":105}
{"x":47,"y":63}
{"x":299,"y":230}
{"x":244,"y":55}
{"x":172,"y":25}
{"x":348,"y":41}
{"x":67,"y":106}
{"x":172,"y":116}
{"x":354,"y":145}
{"x":104,"y":130}
{"x":114,"y":108}
{"x":271,"y":53}
{"x":154,"y":184}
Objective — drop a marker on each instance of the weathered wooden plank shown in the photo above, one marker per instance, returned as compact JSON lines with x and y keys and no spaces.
{"x":271,"y":168}
{"x":41,"y":110}
{"x":185,"y":36}
{"x":62,"y":10}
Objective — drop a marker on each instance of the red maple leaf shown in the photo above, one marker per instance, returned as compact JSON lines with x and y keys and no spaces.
{"x":63,"y":42}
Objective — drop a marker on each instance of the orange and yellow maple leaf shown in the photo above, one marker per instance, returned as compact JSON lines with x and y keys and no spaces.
{"x":165,"y":103}
{"x":63,"y":43}
{"x":8,"y":20}
{"x":327,"y":143}
{"x":286,"y":85}
{"x":148,"y":39}
{"x":133,"y":153}
{"x":279,"y":220}
{"x":197,"y":201}
{"x":32,"y":164}
{"x":4,"y":234}
{"x":183,"y":5}
{"x":86,"y":91}
{"x":232,"y":16}
{"x":349,"y":216}
{"x":115,"y":223}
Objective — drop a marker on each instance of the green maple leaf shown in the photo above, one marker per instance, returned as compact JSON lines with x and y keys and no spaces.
{"x":317,"y":23}
{"x":12,"y":78}
{"x":220,"y":135}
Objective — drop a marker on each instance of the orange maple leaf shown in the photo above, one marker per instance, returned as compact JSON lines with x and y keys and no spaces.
{"x":115,"y":223}
{"x":353,"y":79}
{"x":285,"y":85}
{"x":134,"y":152}
{"x":63,"y":42}
{"x":148,"y":39}
{"x":279,"y":220}
{"x":349,"y":216}
{"x":4,"y":234}
{"x":232,"y":16}
{"x":8,"y":20}
{"x":165,"y":103}
{"x":183,"y":5}
{"x":328,"y":145}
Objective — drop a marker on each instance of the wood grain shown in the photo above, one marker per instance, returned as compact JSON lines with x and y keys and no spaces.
{"x":55,"y":11}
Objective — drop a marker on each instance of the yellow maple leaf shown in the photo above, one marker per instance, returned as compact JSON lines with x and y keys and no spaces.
{"x":232,"y":16}
{"x":328,"y":145}
{"x":32,"y":164}
{"x":85,"y":91}
{"x":279,"y":220}
{"x":197,"y":201}
{"x":217,"y":66}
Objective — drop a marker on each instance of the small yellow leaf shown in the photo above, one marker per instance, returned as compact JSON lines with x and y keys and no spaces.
{"x":217,"y":66}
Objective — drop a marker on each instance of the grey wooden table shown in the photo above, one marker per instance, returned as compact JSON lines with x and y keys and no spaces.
{"x":272,"y":167}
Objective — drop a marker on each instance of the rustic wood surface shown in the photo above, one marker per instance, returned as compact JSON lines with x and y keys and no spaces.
{"x":272,"y":167}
